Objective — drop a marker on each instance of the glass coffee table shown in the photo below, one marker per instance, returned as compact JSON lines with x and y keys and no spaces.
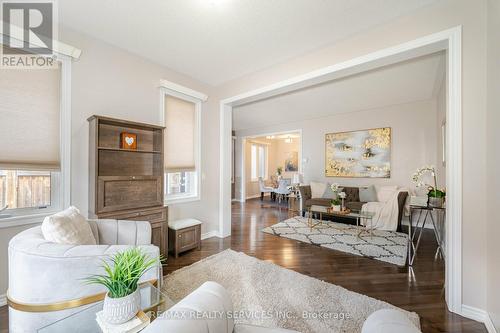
{"x":84,"y":321}
{"x":322,"y":210}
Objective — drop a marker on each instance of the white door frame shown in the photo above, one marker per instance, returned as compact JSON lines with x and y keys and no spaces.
{"x":449,"y":40}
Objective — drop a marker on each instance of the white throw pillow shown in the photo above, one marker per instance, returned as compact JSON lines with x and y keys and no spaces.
{"x":317,"y":189}
{"x":68,"y":227}
{"x":385,"y":193}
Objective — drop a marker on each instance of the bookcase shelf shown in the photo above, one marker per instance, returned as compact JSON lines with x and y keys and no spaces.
{"x":130,"y":150}
{"x":127,"y":184}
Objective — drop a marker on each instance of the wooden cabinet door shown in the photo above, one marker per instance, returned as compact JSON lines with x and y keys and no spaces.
{"x":188,"y":238}
{"x":117,"y":193}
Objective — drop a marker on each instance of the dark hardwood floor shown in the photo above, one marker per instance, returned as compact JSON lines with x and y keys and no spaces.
{"x":421,"y":292}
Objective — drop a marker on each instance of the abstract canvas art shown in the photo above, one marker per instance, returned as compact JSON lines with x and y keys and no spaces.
{"x":292,"y":162}
{"x":359,"y":154}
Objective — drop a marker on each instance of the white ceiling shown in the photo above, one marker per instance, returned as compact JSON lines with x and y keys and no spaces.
{"x":216,"y":41}
{"x":410,"y":81}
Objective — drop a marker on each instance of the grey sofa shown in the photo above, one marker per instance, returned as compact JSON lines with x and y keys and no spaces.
{"x":351,"y":201}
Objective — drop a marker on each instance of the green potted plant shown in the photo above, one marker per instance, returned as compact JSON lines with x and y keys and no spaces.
{"x":121,"y":278}
{"x":336,"y":205}
{"x":435,"y":196}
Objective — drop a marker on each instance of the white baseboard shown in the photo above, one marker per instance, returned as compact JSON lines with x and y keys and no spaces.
{"x":478,"y":315}
{"x":489,"y":324}
{"x":209,"y":234}
{"x":254,"y":196}
{"x":3,"y":300}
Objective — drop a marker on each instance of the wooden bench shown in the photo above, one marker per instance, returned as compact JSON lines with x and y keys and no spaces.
{"x":184,"y":235}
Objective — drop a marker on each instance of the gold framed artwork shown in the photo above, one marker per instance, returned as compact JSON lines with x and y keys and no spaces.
{"x":359,"y":154}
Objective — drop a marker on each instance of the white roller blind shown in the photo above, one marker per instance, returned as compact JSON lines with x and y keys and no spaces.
{"x":29,"y":119}
{"x":180,"y":123}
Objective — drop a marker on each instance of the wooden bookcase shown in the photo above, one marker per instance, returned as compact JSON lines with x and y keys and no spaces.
{"x":127,"y":184}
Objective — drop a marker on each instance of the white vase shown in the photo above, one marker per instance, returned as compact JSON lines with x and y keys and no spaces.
{"x":121,"y":310}
{"x":336,"y":208}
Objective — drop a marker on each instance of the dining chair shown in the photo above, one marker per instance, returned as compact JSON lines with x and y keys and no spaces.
{"x":282,"y":191}
{"x":264,"y":189}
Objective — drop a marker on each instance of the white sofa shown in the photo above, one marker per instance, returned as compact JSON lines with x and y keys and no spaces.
{"x":210,"y":298}
{"x":209,"y":309}
{"x":41,"y":272}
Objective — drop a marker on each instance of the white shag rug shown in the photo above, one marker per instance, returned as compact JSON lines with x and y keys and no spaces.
{"x":388,"y":246}
{"x":289,"y":299}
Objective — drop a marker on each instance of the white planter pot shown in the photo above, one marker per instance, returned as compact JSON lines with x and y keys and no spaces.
{"x":436,"y":202}
{"x":336,"y":208}
{"x":121,"y":310}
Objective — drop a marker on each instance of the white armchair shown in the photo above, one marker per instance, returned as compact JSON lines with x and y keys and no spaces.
{"x":44,"y":276}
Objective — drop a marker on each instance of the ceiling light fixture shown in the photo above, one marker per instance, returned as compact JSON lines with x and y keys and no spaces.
{"x":288,"y":140}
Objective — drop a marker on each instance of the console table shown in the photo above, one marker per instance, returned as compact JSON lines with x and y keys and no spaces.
{"x":423,"y":214}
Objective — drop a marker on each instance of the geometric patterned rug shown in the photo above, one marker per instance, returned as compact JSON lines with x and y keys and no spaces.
{"x":388,"y":246}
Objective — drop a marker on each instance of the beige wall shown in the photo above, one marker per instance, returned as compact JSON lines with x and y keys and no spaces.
{"x":107,"y":80}
{"x":471,"y":15}
{"x":281,"y":153}
{"x":441,"y":119}
{"x":112,"y":82}
{"x":414,"y":139}
{"x":493,"y":161}
{"x":277,"y":150}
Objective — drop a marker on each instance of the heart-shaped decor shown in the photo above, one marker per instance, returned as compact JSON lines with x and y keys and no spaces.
{"x":129,"y":140}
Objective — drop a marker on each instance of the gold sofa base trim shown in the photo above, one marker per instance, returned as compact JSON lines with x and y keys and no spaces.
{"x":64,"y":305}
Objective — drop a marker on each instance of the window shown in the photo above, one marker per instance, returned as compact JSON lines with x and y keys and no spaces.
{"x":30,"y":161}
{"x":21,"y":190}
{"x":180,"y":183}
{"x":258,"y":160}
{"x":181,"y":116}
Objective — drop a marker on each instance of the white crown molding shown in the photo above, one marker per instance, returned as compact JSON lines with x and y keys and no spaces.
{"x":177,"y":88}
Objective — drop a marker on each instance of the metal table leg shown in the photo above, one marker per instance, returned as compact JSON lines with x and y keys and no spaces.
{"x":410,"y":243}
{"x":419,"y":236}
{"x":438,"y":238}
